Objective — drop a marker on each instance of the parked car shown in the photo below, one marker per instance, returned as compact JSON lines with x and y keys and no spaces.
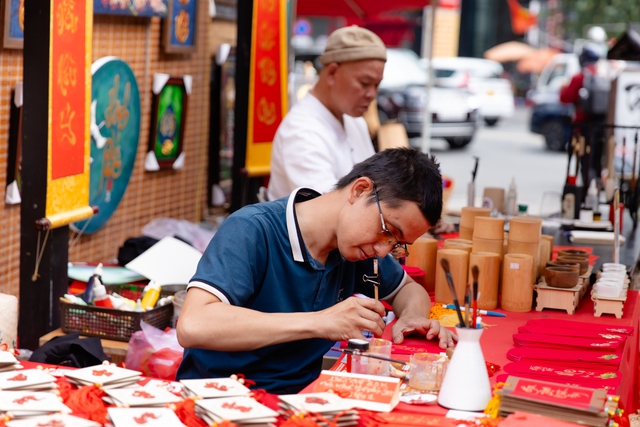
{"x":549,"y":117}
{"x":484,"y":79}
{"x":402,"y":96}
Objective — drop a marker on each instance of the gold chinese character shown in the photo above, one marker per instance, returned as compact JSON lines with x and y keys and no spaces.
{"x":66,"y":119}
{"x":268,"y":6}
{"x":181,"y":26}
{"x":67,"y":72}
{"x":266,"y":111}
{"x":267,"y":39}
{"x":21,"y":15}
{"x":65,"y":18}
{"x":267,"y":69}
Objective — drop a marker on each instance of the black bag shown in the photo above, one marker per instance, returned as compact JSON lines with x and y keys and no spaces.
{"x":594,"y":93}
{"x":70,"y":350}
{"x":133,"y":247}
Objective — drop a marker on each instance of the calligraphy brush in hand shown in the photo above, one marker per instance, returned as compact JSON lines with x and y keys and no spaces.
{"x":445,"y":266}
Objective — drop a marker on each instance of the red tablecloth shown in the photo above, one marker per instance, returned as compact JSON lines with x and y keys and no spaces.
{"x":497,"y":340}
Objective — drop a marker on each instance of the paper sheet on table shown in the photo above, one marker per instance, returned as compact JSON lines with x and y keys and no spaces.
{"x":110,"y":275}
{"x":593,"y":237}
{"x":168,"y":262}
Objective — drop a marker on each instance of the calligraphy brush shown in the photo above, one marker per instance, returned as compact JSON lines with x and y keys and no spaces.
{"x":467,"y":303}
{"x":633,"y":171}
{"x":475,"y":272}
{"x":445,"y":266}
{"x":475,"y":169}
{"x":375,"y":273}
{"x":370,"y":355}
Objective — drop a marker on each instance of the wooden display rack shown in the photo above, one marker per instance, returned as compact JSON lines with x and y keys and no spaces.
{"x":558,"y":298}
{"x":609,"y":305}
{"x":584,"y":280}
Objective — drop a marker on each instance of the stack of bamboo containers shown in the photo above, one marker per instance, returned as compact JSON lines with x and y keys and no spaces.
{"x":423,"y":255}
{"x":487,"y":253}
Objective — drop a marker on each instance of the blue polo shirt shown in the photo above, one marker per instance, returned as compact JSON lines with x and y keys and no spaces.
{"x":258,"y":260}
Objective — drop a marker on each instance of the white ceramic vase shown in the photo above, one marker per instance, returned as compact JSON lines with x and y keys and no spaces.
{"x":466,"y":383}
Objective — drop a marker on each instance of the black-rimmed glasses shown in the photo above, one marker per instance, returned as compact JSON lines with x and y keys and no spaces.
{"x":386,"y":237}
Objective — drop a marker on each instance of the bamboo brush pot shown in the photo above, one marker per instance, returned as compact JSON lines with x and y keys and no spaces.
{"x":467,"y":220}
{"x":517,"y":282}
{"x":488,"y":277}
{"x":488,"y":245}
{"x":496,"y":195}
{"x":544,"y":255}
{"x":488,"y":228}
{"x":525,"y":229}
{"x":461,"y":244}
{"x":459,"y":267}
{"x":423,"y":255}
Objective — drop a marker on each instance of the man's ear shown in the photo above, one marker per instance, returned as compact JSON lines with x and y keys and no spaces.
{"x":331,"y":71}
{"x":361,"y":187}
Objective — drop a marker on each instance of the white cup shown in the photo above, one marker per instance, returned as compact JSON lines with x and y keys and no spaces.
{"x":608,"y":289}
{"x":612,"y":266}
{"x":613,"y":275}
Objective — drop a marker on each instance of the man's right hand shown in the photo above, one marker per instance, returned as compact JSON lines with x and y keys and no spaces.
{"x":349,"y":318}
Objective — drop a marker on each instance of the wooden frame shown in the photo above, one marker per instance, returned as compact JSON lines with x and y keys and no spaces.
{"x":14,"y":159}
{"x":180,"y":26}
{"x":13,"y":32}
{"x":168,"y":116}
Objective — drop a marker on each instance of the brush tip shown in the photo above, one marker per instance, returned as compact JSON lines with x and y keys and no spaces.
{"x":445,"y":264}
{"x":475,"y":271}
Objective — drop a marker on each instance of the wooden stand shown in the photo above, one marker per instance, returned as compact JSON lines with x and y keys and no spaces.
{"x":558,"y":298}
{"x":602,"y":305}
{"x":584,"y":281}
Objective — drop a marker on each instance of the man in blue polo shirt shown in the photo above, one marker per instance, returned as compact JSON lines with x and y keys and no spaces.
{"x":273,"y":291}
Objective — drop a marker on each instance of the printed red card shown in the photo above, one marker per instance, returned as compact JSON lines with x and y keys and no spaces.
{"x":567,"y":343}
{"x":525,"y":419}
{"x":553,"y":372}
{"x":373,"y":393}
{"x":570,"y":324}
{"x":549,"y":393}
{"x":572,"y":357}
{"x":530,"y":328}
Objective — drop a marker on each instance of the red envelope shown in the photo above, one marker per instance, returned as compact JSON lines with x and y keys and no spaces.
{"x":611,"y":390}
{"x":554,"y":372}
{"x":570,"y":324}
{"x":578,"y":333}
{"x":398,"y":419}
{"x":592,"y":359}
{"x":567,"y":343}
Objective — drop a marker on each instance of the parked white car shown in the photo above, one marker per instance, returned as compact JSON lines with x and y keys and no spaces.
{"x":483,"y":78}
{"x":403,"y":96}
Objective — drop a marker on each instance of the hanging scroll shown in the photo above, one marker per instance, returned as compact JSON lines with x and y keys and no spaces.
{"x":69,"y":112}
{"x":267,"y":82}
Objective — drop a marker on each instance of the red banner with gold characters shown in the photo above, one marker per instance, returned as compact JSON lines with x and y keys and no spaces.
{"x":70,"y":36}
{"x":267,"y":82}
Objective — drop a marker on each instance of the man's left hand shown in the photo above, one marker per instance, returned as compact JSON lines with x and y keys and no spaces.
{"x":429,"y":327}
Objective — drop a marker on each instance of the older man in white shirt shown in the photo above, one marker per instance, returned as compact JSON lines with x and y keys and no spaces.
{"x":324,"y":134}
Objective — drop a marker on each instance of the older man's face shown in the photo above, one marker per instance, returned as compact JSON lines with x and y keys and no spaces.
{"x":355,"y":85}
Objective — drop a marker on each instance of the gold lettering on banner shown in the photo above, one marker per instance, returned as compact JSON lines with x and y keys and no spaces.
{"x":66,"y":121}
{"x":67,"y":72}
{"x":558,"y":393}
{"x":268,"y":6}
{"x":65,"y":18}
{"x":266,"y":111}
{"x":268,"y":73}
{"x":181,"y":26}
{"x":267,"y":39}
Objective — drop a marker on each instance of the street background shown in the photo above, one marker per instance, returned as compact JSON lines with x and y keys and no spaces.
{"x":505,"y":151}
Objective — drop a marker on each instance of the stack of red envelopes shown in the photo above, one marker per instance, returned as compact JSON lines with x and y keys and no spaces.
{"x":567,"y":352}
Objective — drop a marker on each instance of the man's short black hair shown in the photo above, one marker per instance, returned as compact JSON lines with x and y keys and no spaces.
{"x":403,"y":174}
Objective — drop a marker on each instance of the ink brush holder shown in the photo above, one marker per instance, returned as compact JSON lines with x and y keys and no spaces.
{"x":466,"y":382}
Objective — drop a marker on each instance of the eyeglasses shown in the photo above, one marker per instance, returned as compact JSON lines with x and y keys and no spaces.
{"x":386,"y":237}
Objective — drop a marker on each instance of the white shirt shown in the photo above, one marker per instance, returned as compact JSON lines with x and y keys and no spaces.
{"x":312,"y":149}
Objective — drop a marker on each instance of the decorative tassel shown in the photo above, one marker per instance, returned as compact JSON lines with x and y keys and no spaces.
{"x":86,"y":402}
{"x":493,"y":407}
{"x":186,"y":411}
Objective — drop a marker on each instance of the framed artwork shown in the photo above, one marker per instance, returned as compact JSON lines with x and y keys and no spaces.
{"x":180,"y":26}
{"x":13,"y":24}
{"x":14,"y":161}
{"x":168,"y":115}
{"x":145,"y":8}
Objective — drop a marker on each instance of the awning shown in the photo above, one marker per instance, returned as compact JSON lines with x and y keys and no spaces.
{"x":355,"y":8}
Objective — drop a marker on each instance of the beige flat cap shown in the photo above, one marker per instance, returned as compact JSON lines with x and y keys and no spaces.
{"x":353,"y":44}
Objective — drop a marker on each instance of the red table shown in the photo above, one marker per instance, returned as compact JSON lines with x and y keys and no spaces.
{"x":497,"y":340}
